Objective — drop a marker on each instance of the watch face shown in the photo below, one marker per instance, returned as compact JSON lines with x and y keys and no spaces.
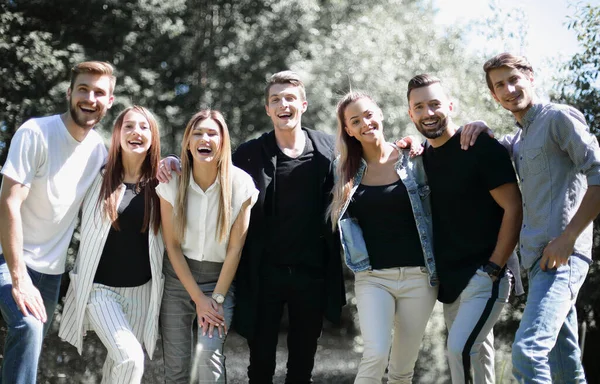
{"x":218,"y":298}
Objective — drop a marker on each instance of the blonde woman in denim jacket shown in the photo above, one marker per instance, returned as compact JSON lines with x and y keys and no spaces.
{"x":381,"y":199}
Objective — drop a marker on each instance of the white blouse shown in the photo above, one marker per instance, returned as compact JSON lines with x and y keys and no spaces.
{"x":201,"y":233}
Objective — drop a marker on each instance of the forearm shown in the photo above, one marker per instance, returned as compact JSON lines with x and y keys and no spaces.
{"x":11,"y":237}
{"x":508,"y":236}
{"x":588,"y":210}
{"x":237,"y":238}
{"x":230,"y":265}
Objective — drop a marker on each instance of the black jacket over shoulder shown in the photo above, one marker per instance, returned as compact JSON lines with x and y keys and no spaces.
{"x":258,"y":157}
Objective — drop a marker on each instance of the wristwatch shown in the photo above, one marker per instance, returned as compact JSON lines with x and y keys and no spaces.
{"x":218,"y":298}
{"x":493,"y":270}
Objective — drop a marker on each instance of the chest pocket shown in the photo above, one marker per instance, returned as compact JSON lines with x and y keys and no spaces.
{"x":535,"y":161}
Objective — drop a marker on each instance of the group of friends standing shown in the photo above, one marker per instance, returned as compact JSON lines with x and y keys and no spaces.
{"x":249,"y":233}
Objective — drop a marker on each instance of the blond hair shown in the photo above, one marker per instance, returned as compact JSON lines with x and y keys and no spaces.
{"x":350,"y":155}
{"x":224,"y":165}
{"x":101,"y":68}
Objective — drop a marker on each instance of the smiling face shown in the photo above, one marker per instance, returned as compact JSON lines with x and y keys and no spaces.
{"x":89,"y":99}
{"x":205,"y":141}
{"x":363,"y":120}
{"x":429,"y":109}
{"x":513,"y":89}
{"x":285,"y":106}
{"x":136,"y":135}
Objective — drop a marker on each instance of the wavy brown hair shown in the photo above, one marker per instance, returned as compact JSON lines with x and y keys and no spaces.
{"x":506,"y":60}
{"x":224,"y":165}
{"x":113,"y":173}
{"x":350,"y":153}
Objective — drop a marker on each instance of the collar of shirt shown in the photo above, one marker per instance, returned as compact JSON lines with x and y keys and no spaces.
{"x":197,"y":188}
{"x":530,"y":115}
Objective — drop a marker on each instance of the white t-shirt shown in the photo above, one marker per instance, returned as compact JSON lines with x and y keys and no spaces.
{"x":58,"y":170}
{"x":201,"y":242}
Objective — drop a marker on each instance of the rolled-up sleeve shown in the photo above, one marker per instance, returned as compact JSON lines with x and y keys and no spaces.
{"x":570,"y":131}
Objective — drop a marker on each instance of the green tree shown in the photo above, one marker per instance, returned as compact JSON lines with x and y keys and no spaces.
{"x":582,"y":87}
{"x":32,"y":67}
{"x":379,"y":47}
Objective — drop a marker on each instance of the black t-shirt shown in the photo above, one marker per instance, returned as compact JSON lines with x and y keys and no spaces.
{"x":125,"y":260}
{"x":466,"y":219}
{"x":295,"y":214}
{"x":385,"y":215}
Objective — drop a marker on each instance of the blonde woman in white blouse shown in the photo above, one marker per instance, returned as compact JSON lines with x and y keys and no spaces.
{"x":205,"y":216}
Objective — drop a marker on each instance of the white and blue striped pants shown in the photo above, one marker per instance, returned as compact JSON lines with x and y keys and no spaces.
{"x":118,"y":316}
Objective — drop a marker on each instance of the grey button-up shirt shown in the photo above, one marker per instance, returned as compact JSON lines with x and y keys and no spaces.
{"x":556,"y":158}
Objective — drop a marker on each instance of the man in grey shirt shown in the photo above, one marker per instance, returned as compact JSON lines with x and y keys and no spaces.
{"x":558,"y":164}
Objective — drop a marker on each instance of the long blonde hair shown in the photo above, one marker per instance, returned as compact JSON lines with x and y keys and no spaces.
{"x":350,"y":153}
{"x":224,"y":166}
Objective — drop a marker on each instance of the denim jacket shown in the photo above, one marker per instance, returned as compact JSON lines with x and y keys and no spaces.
{"x":412,"y":174}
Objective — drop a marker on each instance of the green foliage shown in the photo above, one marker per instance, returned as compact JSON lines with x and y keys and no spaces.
{"x":582,"y":88}
{"x":32,"y":67}
{"x":378,"y":47}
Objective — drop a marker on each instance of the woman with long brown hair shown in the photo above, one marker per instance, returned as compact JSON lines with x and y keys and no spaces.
{"x":117,"y":282}
{"x":205,"y":218}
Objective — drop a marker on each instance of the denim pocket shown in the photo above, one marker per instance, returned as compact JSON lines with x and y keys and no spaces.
{"x":578,"y":270}
{"x":354,"y":242}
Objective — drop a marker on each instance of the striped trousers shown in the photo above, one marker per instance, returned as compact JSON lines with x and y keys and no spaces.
{"x":470,"y":321}
{"x":118,"y":316}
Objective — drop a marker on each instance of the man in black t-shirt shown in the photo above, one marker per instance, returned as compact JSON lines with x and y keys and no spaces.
{"x":476,"y":210}
{"x":290,"y":256}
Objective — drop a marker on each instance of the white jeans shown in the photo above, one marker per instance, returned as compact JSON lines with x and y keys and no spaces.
{"x":118,"y":316}
{"x":470,"y":321}
{"x":398,"y":300}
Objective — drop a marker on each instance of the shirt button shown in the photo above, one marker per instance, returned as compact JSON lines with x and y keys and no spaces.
{"x":520,"y":157}
{"x":521,"y":245}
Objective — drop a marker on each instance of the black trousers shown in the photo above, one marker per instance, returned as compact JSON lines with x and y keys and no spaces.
{"x":304,"y":293}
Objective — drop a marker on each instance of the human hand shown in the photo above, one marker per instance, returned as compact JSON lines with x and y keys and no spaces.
{"x":470,"y":131}
{"x":416,"y":148}
{"x":28,"y":298}
{"x":557,"y":252}
{"x":209,"y":315}
{"x":166,"y":166}
{"x":210,"y":327}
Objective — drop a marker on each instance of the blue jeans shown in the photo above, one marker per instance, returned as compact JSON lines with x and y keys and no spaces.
{"x":23,"y":342}
{"x":546,"y":348}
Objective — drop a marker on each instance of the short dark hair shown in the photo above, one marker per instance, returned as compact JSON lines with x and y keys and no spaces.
{"x":285,"y":77}
{"x":506,"y":60}
{"x":94,"y":67}
{"x":420,"y":81}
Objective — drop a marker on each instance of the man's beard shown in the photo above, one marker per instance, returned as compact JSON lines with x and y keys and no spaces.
{"x":82,"y":121}
{"x":443,"y":125}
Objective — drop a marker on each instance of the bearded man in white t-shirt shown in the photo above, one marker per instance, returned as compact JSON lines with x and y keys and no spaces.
{"x":51,"y":163}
